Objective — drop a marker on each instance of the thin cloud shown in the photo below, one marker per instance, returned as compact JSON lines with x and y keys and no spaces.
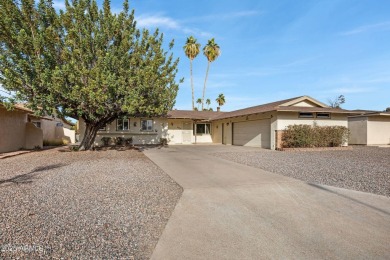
{"x":369,"y":28}
{"x":352,"y":90}
{"x":224,"y":16}
{"x":161,"y":21}
{"x":157,"y":21}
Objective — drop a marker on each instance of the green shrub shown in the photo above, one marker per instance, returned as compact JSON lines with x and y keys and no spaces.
{"x":119,"y":140}
{"x":129,"y":141}
{"x":163,"y":141}
{"x":106,"y":140}
{"x":301,"y":136}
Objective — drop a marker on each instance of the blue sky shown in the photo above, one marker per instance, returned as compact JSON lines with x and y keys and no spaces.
{"x":273,"y":50}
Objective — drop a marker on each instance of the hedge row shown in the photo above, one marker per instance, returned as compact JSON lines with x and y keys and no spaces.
{"x":298,"y":136}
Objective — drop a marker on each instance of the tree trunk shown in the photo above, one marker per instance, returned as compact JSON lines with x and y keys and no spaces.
{"x":204,"y":86}
{"x":192,"y":87}
{"x":89,"y":137}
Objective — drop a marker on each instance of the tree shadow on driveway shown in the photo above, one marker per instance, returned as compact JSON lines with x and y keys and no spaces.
{"x":350,"y":198}
{"x":30,"y":176}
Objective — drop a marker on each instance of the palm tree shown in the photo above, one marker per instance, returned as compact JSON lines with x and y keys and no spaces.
{"x":220,"y":100}
{"x":198,"y":101}
{"x":191,"y":49}
{"x":211,"y":51}
{"x":208,"y":102}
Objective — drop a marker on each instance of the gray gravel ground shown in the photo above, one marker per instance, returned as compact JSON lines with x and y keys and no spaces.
{"x":88,"y":205}
{"x":362,"y":168}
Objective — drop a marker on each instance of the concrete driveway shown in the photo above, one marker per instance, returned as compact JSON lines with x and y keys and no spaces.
{"x":232,"y":211}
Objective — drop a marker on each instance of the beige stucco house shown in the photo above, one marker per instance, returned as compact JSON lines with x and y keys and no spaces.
{"x":369,"y":128}
{"x":258,"y":126}
{"x":16,"y":132}
{"x":21,"y":129}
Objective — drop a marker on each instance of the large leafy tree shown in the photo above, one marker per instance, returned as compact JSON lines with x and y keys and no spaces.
{"x":192,"y":49}
{"x":84,"y":62}
{"x":212,"y":51}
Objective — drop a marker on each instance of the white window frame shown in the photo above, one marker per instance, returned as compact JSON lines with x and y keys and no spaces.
{"x":149,"y":123}
{"x":306,"y":115}
{"x":205,"y":128}
{"x":102,"y":128}
{"x":123,"y":121}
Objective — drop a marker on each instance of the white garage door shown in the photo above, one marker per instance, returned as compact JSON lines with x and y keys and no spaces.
{"x":252,"y":133}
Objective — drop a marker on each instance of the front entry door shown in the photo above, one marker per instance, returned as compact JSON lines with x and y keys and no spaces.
{"x":187,"y":132}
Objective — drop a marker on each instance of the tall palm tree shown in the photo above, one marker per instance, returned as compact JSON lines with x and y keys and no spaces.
{"x":191,"y":49}
{"x":208,"y":102}
{"x":199,"y":101}
{"x":211,"y":51}
{"x":221,"y":99}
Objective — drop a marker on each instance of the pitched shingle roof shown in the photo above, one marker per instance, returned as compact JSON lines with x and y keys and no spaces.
{"x":190,"y":114}
{"x":256,"y":109}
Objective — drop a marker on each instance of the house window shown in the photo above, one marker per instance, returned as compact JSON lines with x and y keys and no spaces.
{"x":147,"y":125}
{"x":203,"y":129}
{"x":37,"y":124}
{"x":323,"y":115}
{"x":306,"y":115}
{"x":122,"y":124}
{"x":102,"y":128}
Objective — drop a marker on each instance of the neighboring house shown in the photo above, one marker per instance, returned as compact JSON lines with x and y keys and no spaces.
{"x":16,"y":132}
{"x":258,"y":126}
{"x":21,"y":129}
{"x":54,"y":128}
{"x":371,"y":128}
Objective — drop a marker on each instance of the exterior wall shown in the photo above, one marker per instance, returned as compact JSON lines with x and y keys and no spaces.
{"x":65,"y":134}
{"x":285,"y":119}
{"x":358,"y":130}
{"x":160,"y":130}
{"x":12,"y":130}
{"x":175,"y":129}
{"x":175,"y":132}
{"x":33,"y":136}
{"x":378,"y":130}
{"x":217,"y":133}
{"x":48,"y":127}
{"x":53,"y":132}
{"x":292,"y":118}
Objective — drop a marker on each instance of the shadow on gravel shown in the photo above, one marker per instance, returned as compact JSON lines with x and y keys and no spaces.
{"x":30,"y":176}
{"x":347,"y":197}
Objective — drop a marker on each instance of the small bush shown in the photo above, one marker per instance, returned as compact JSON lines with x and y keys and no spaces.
{"x":119,"y":140}
{"x":129,"y":141}
{"x":106,"y":140}
{"x":53,"y":142}
{"x":302,"y":136}
{"x":163,"y":141}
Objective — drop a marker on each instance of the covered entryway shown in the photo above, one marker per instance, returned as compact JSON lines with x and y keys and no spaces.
{"x":256,"y":133}
{"x":187,"y":132}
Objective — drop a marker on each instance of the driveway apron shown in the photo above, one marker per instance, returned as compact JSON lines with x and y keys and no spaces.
{"x":233,"y":211}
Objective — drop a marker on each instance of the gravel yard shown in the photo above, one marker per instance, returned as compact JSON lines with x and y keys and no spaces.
{"x":102,"y":204}
{"x":362,"y":168}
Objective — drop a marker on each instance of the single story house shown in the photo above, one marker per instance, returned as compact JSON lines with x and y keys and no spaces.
{"x":21,"y":129}
{"x":371,"y":128}
{"x":258,"y":126}
{"x":16,"y":132}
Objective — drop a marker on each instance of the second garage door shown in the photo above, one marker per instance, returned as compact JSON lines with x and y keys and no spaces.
{"x":252,"y":133}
